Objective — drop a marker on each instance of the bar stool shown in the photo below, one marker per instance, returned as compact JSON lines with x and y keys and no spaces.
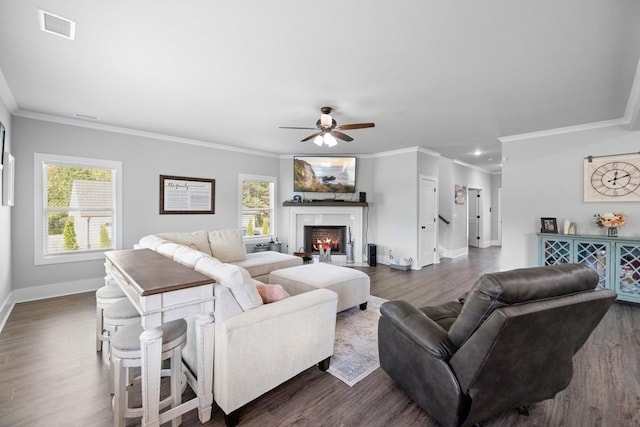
{"x":105,"y":296}
{"x":126,"y":353}
{"x":116,"y":315}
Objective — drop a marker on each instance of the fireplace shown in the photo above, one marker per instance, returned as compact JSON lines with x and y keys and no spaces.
{"x":332,"y":237}
{"x":302,"y":215}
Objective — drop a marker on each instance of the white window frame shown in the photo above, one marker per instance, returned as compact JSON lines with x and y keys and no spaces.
{"x":274,"y":219}
{"x":40,"y":160}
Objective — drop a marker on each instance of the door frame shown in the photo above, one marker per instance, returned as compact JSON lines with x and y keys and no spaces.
{"x":436,"y":258}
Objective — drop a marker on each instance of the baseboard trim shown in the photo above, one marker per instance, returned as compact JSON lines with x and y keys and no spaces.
{"x":455,"y":253}
{"x":57,"y":289}
{"x":5,"y":310}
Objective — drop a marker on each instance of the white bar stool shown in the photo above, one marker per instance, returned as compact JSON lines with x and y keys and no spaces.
{"x":126,"y":353}
{"x":105,"y":296}
{"x":115,"y":316}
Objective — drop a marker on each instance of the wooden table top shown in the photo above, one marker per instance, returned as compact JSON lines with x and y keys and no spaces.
{"x":151,"y":273}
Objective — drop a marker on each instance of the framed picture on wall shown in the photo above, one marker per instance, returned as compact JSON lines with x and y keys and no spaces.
{"x":460,"y":194}
{"x":182,"y":195}
{"x":548,"y":225}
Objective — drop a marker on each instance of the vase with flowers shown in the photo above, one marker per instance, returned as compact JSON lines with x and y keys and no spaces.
{"x":611,"y":221}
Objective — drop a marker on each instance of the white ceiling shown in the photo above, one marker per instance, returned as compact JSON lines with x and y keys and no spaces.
{"x":451,"y":76}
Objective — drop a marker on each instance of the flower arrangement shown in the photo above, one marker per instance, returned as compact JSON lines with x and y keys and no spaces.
{"x":610,"y":220}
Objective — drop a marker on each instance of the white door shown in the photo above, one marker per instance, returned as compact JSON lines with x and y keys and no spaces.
{"x":427,"y":236}
{"x":475,"y":222}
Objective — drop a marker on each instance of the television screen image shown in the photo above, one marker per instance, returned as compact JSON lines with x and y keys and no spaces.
{"x":315,"y":174}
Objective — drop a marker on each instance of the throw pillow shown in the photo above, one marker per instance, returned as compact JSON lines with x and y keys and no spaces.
{"x":227,"y":245}
{"x":271,"y":293}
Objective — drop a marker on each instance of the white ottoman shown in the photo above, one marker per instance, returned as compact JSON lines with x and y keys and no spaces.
{"x":352,"y":286}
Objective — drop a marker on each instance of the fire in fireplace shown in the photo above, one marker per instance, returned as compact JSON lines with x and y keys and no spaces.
{"x":325,"y":237}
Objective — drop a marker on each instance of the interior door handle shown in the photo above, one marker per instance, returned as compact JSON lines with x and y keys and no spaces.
{"x":423,"y":227}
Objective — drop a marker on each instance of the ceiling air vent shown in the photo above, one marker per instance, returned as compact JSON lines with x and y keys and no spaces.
{"x":57,"y":25}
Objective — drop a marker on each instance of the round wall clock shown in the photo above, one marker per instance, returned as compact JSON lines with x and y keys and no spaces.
{"x":612,"y":178}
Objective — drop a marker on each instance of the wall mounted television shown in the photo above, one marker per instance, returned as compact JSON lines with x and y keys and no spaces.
{"x":317,"y":174}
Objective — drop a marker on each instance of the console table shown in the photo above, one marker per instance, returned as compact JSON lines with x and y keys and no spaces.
{"x":615,"y":259}
{"x":163,"y":290}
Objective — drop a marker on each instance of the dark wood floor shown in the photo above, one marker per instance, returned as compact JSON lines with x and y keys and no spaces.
{"x":50,"y":374}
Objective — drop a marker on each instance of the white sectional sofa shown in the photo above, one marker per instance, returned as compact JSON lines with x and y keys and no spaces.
{"x":257,"y":346}
{"x":227,"y":246}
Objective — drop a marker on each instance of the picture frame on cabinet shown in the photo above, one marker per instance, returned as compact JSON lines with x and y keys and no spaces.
{"x":549,"y":225}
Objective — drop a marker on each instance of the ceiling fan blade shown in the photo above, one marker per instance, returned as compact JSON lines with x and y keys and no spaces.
{"x":341,"y":136}
{"x":311,"y":136}
{"x":356,"y":126}
{"x":294,"y":127}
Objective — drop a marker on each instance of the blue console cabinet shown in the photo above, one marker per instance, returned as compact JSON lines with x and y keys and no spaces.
{"x":615,"y":259}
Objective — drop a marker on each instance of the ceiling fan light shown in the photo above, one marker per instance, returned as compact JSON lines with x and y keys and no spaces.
{"x":330,"y":140}
{"x":318,"y":140}
{"x":326,"y":120}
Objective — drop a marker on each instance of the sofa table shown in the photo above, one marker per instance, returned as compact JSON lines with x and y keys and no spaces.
{"x":163,"y":290}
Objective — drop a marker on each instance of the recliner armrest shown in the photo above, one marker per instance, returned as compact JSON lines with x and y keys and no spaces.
{"x":421,"y":329}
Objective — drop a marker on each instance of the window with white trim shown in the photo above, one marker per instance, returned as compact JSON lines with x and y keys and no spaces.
{"x":77,"y":208}
{"x":257,"y":212}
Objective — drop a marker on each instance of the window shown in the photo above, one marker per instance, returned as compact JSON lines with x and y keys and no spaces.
{"x":257,"y":214}
{"x":77,"y":208}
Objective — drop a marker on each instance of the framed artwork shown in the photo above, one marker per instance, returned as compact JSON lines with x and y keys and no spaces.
{"x":460,"y":195}
{"x":182,"y":195}
{"x":614,"y":178}
{"x":548,"y":225}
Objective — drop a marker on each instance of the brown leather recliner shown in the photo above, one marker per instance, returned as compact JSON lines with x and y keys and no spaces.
{"x":510,"y":344}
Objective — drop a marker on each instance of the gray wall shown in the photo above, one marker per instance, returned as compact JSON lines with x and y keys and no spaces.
{"x":143,"y":160}
{"x":394,"y":218}
{"x":5,"y":219}
{"x":543,"y":177}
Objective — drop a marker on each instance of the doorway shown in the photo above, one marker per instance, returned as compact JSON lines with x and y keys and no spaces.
{"x":427,"y":221}
{"x":475,"y":230}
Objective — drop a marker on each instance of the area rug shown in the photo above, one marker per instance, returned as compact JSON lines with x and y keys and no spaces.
{"x":355,"y":353}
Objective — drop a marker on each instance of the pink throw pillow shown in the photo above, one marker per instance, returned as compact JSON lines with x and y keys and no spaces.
{"x":271,"y":293}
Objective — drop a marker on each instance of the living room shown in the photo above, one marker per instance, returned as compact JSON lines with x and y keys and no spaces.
{"x":542,"y":160}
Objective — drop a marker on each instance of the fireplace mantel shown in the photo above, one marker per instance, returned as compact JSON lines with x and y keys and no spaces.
{"x":325,"y":203}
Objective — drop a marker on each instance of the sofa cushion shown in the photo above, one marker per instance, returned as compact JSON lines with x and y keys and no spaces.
{"x":188,"y":257}
{"x":196,"y":240}
{"x":167,"y":249}
{"x":151,"y":242}
{"x":230,"y":276}
{"x":227,"y":245}
{"x":271,"y":293}
{"x":263,"y":263}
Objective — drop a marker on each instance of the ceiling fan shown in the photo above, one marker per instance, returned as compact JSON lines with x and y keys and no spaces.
{"x":328,"y":129}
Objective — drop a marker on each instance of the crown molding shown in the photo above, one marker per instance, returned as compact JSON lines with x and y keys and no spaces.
{"x":478,"y":168}
{"x":563,"y":130}
{"x":415,"y":149}
{"x":135,"y":132}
